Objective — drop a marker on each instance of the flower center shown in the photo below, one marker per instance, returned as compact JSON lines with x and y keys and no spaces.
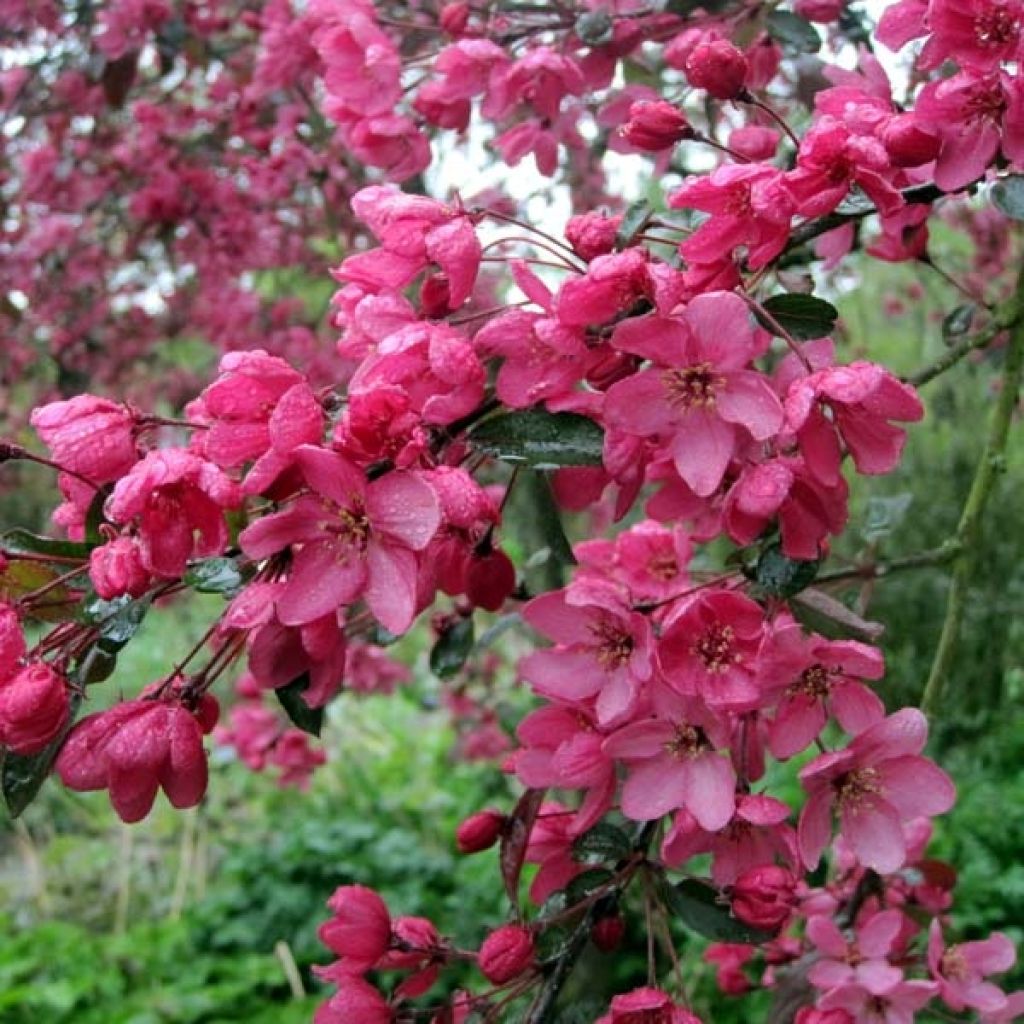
{"x":985,"y":101}
{"x":663,"y":566}
{"x":693,"y":387}
{"x":853,"y":788}
{"x":689,"y":741}
{"x":613,"y":644}
{"x":815,"y":682}
{"x":715,"y":650}
{"x":954,"y":965}
{"x":995,"y":27}
{"x":350,"y":525}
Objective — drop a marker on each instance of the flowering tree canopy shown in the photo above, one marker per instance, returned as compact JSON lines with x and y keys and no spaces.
{"x":655,"y":374}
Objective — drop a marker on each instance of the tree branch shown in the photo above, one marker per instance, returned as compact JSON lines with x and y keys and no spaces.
{"x":968,"y":531}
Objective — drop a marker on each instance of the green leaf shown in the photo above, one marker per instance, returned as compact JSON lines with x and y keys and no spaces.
{"x":1008,"y":196}
{"x":884,"y":514}
{"x":116,"y":621}
{"x":585,"y":883}
{"x":822,"y":613}
{"x":453,"y":646}
{"x":792,"y":32}
{"x":804,"y":317}
{"x":22,"y":775}
{"x":540,"y":439}
{"x":604,"y":840}
{"x":697,"y":906}
{"x":215,"y":576}
{"x":95,"y":665}
{"x":779,"y":576}
{"x":22,"y":542}
{"x":633,"y":221}
{"x":302,"y":716}
{"x":550,"y":521}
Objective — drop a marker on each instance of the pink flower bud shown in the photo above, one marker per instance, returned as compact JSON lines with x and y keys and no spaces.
{"x":454,"y":18}
{"x":506,"y":953}
{"x":33,"y":708}
{"x":592,"y":234}
{"x":717,"y":67}
{"x":12,"y":642}
{"x":607,"y":933}
{"x":754,"y":141}
{"x":908,"y":142}
{"x":89,"y":435}
{"x":655,"y":125}
{"x":490,"y":579}
{"x":116,"y":568}
{"x":361,"y":926}
{"x":479,"y":831}
{"x":356,"y":1000}
{"x":646,"y":1006}
{"x":763,"y":897}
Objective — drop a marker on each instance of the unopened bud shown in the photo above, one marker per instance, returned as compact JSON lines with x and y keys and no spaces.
{"x":506,"y":953}
{"x":717,"y":67}
{"x":480,"y":831}
{"x":655,"y":125}
{"x":607,"y":933}
{"x":763,"y":897}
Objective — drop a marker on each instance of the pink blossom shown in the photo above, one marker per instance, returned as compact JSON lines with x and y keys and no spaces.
{"x":977,"y":34}
{"x":603,"y":650}
{"x":876,"y":783}
{"x":133,"y":750}
{"x":673,"y":763}
{"x":897,"y":1005}
{"x":710,"y":647}
{"x":699,"y":389}
{"x":611,"y":285}
{"x":353,"y":539}
{"x":655,"y":125}
{"x":820,"y":676}
{"x":360,"y":927}
{"x":12,"y":641}
{"x":117,"y":568}
{"x":861,"y":960}
{"x":960,"y":970}
{"x":717,"y":67}
{"x":355,"y":1000}
{"x":863,"y":398}
{"x":506,"y":953}
{"x":177,"y":501}
{"x":764,"y":896}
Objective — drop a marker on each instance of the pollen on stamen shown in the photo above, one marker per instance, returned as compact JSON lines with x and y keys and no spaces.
{"x":714,"y":648}
{"x":694,"y":387}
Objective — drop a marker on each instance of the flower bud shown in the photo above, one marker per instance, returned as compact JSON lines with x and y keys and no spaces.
{"x":434,"y":296}
{"x":490,"y":579}
{"x":34,"y":708}
{"x":646,"y":1006}
{"x":361,"y":926}
{"x":607,"y":933}
{"x":763,"y":897}
{"x":454,"y":18}
{"x":717,"y":67}
{"x":908,"y":142}
{"x":116,"y":568}
{"x":655,"y":125}
{"x":479,"y":831}
{"x":592,"y":234}
{"x":506,"y":953}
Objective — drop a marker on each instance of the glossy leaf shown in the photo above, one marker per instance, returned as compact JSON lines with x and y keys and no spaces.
{"x":803,"y":317}
{"x":451,"y":649}
{"x":302,"y":716}
{"x":697,"y":906}
{"x":540,"y":439}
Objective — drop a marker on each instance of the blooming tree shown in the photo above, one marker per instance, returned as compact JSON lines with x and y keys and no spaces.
{"x":660,"y":370}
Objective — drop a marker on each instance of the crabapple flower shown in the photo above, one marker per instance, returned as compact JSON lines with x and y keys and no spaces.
{"x":34,"y":708}
{"x":897,"y":1005}
{"x":359,"y":929}
{"x":480,"y":831}
{"x":717,"y":67}
{"x":655,"y":125}
{"x":135,"y":749}
{"x":673,"y":763}
{"x":710,"y":648}
{"x":353,"y":539}
{"x":699,"y":390}
{"x":355,"y":1000}
{"x":863,"y":398}
{"x":960,"y":970}
{"x":876,"y":783}
{"x":177,"y":501}
{"x":820,"y":676}
{"x":861,"y":960}
{"x":603,"y":649}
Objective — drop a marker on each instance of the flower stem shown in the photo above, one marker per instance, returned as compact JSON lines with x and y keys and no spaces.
{"x":968,"y":531}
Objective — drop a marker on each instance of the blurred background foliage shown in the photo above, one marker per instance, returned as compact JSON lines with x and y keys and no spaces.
{"x":210,"y":916}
